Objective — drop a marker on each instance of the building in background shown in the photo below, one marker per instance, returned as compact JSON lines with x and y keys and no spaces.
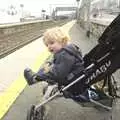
{"x":100,"y":7}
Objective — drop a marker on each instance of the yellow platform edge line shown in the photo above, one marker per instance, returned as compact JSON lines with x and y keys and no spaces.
{"x":10,"y":95}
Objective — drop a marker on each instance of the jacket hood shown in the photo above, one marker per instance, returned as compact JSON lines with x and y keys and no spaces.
{"x":72,"y":48}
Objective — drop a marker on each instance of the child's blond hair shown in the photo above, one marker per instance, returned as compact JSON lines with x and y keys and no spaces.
{"x":56,"y":34}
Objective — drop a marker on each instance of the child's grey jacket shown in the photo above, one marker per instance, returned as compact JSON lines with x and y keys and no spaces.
{"x":67,"y":65}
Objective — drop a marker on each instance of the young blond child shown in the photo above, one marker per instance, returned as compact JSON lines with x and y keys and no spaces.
{"x":67,"y":61}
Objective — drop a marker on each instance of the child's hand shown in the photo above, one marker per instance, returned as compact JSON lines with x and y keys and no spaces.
{"x":46,"y":67}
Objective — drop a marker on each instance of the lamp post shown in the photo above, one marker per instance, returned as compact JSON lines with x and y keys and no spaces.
{"x":43,"y":13}
{"x":22,"y":6}
{"x":88,"y":4}
{"x":77,"y":14}
{"x":118,"y":3}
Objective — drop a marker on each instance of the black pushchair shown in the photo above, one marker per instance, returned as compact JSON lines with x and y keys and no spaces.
{"x":100,"y":63}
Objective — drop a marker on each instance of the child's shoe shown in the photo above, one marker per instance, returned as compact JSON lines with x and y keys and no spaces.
{"x":30,"y":76}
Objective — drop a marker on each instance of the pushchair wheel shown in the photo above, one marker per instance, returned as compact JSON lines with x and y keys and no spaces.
{"x":33,"y":114}
{"x":30,"y":113}
{"x":49,"y":91}
{"x":54,"y":90}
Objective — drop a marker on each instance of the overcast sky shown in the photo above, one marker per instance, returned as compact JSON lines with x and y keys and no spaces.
{"x":35,"y":6}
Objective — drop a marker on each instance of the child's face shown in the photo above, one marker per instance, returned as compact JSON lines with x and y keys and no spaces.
{"x":54,"y":46}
